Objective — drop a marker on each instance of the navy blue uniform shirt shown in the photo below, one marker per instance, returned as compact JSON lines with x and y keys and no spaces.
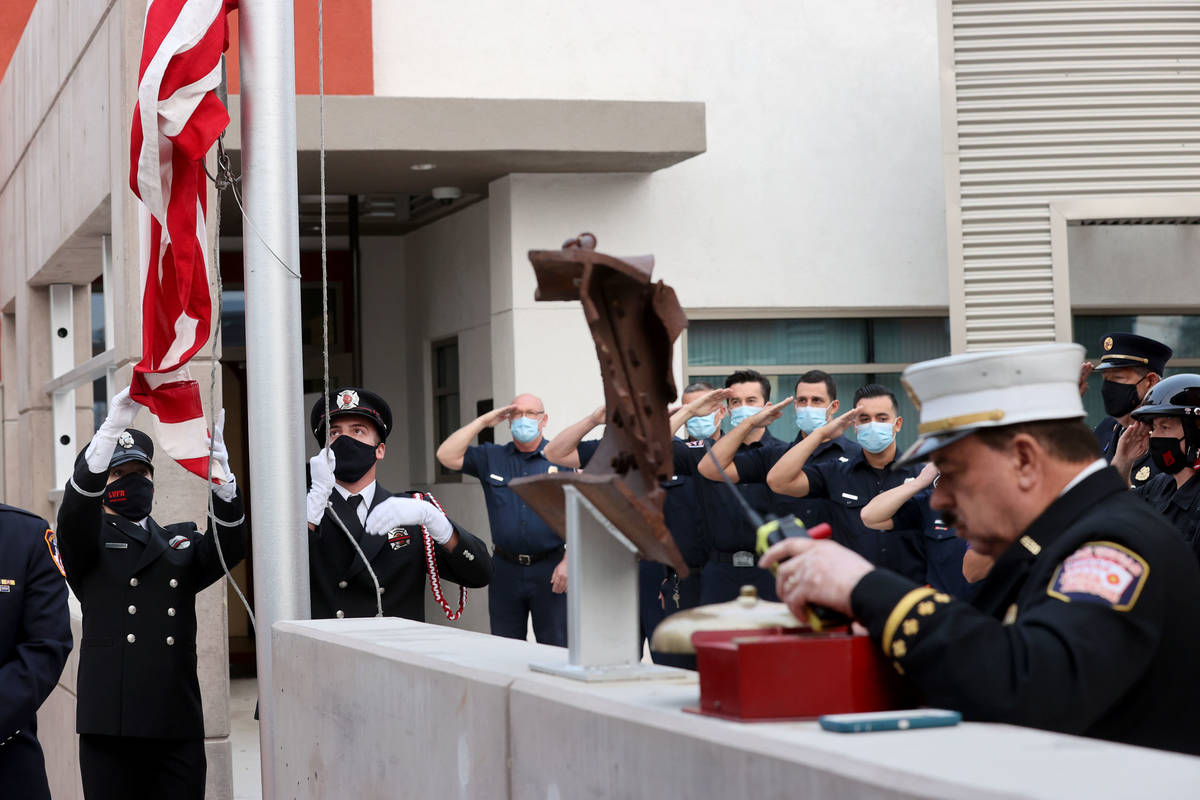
{"x":516,"y":527}
{"x":728,"y":527}
{"x":754,"y":464}
{"x":942,"y":548}
{"x":850,"y":485}
{"x":681,"y":505}
{"x":1107,"y":433}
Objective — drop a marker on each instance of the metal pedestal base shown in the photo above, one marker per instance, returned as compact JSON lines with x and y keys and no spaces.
{"x":602,"y":602}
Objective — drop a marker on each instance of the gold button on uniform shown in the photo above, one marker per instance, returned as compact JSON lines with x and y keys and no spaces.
{"x":131,"y":638}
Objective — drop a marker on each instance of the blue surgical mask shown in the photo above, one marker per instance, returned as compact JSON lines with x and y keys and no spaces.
{"x":742,"y":413}
{"x":809,"y":418}
{"x":702,"y":427}
{"x":875,"y":436}
{"x":524,"y":429}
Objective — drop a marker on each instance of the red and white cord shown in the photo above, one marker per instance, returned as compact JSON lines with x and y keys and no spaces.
{"x":435,"y":580}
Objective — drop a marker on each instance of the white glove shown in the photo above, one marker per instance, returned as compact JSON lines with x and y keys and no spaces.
{"x":122,"y":411}
{"x":220,"y":456}
{"x":320,"y":469}
{"x":399,"y":511}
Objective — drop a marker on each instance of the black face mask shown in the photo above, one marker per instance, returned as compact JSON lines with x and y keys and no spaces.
{"x":1119,"y":398}
{"x":131,"y":496}
{"x":1167,"y":454}
{"x":354,"y":458}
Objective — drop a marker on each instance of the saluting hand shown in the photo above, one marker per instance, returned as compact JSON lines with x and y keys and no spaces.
{"x":770,"y":413}
{"x":709,"y":402}
{"x":838,"y":425}
{"x":497,"y":415}
{"x":928,"y":474}
{"x":598,"y":416}
{"x":1085,"y":370}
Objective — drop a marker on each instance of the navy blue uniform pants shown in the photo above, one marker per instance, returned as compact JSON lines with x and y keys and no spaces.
{"x":516,"y":591}
{"x":22,"y":768}
{"x":657,"y":586}
{"x":124,"y":767}
{"x":723,"y":582}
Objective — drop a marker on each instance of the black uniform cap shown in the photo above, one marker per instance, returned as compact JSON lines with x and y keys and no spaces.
{"x":348,"y":401}
{"x":1131,"y":350}
{"x":132,"y":445}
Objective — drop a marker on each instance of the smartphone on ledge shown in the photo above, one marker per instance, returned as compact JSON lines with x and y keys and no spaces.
{"x":889,"y":720}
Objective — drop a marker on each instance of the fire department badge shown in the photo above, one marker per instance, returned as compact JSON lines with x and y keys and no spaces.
{"x":52,"y":546}
{"x":1143,"y":473}
{"x":180,"y":542}
{"x":1100,"y":572}
{"x":1108,"y":343}
{"x":397,"y":538}
{"x":125,"y":439}
{"x":347,"y":398}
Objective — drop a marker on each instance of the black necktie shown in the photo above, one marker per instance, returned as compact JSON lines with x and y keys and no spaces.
{"x":354,"y":500}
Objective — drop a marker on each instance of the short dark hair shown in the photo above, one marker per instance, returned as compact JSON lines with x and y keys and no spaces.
{"x":698,"y":386}
{"x":1065,"y":439}
{"x":818,"y":376}
{"x":748,"y":376}
{"x":875,"y":390}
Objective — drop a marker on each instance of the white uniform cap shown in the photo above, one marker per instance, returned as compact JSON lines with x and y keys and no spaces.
{"x":961,"y":394}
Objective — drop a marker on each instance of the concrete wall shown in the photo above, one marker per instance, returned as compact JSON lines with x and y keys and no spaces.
{"x":823,"y":134}
{"x":457,"y":714}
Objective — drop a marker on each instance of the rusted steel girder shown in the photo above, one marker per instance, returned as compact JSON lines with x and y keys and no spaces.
{"x":634,"y":323}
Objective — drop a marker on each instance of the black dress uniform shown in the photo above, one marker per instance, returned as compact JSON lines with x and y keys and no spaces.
{"x":139,"y":716}
{"x":1089,"y":624}
{"x":1179,"y":504}
{"x":341,"y":586}
{"x":1127,"y":350}
{"x":35,"y":638}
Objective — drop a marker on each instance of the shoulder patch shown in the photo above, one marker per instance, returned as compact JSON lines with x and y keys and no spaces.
{"x":1100,"y":572}
{"x":52,"y":546}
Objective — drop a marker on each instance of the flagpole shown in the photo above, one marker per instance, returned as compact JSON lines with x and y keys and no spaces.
{"x":273,"y":356}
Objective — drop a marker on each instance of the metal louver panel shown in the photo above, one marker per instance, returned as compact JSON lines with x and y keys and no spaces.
{"x":1056,"y":99}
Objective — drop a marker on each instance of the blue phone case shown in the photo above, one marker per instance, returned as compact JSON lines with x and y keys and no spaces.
{"x":889,"y":720}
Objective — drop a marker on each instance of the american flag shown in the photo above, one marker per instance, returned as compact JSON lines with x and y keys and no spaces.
{"x":176,"y":121}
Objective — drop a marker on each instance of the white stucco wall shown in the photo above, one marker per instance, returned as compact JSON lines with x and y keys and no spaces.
{"x":822,"y":184}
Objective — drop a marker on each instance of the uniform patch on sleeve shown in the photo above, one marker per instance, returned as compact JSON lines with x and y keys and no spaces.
{"x":1100,"y":572}
{"x":52,"y":546}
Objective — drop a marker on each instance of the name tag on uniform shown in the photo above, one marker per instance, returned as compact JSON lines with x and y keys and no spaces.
{"x":843,"y":459}
{"x":850,"y":496}
{"x":117,"y":545}
{"x":496,"y":477}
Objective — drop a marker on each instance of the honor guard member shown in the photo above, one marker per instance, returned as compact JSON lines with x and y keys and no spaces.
{"x":1168,"y":425}
{"x":1131,"y":365}
{"x":531,"y":561}
{"x":661,"y":592}
{"x":732,"y":561}
{"x":850,"y":484}
{"x":1089,"y":621}
{"x":35,"y":638}
{"x":815,"y":403}
{"x":347,"y":507}
{"x":138,"y":712}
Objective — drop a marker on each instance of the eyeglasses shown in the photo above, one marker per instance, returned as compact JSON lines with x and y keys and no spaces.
{"x":528,"y":414}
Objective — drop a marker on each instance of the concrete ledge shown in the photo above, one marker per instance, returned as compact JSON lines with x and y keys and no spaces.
{"x":369,"y":704}
{"x":371,"y":142}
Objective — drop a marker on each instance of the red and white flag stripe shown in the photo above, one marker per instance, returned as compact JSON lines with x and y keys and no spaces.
{"x":177,"y":120}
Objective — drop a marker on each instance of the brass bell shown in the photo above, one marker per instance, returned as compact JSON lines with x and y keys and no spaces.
{"x":747,"y":612}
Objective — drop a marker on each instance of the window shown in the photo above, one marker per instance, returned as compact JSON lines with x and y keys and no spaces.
{"x":854,"y":351}
{"x":1180,"y":332}
{"x":445,"y":400}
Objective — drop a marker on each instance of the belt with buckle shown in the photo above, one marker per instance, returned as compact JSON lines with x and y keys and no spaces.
{"x":525,"y":559}
{"x":742,"y":558}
